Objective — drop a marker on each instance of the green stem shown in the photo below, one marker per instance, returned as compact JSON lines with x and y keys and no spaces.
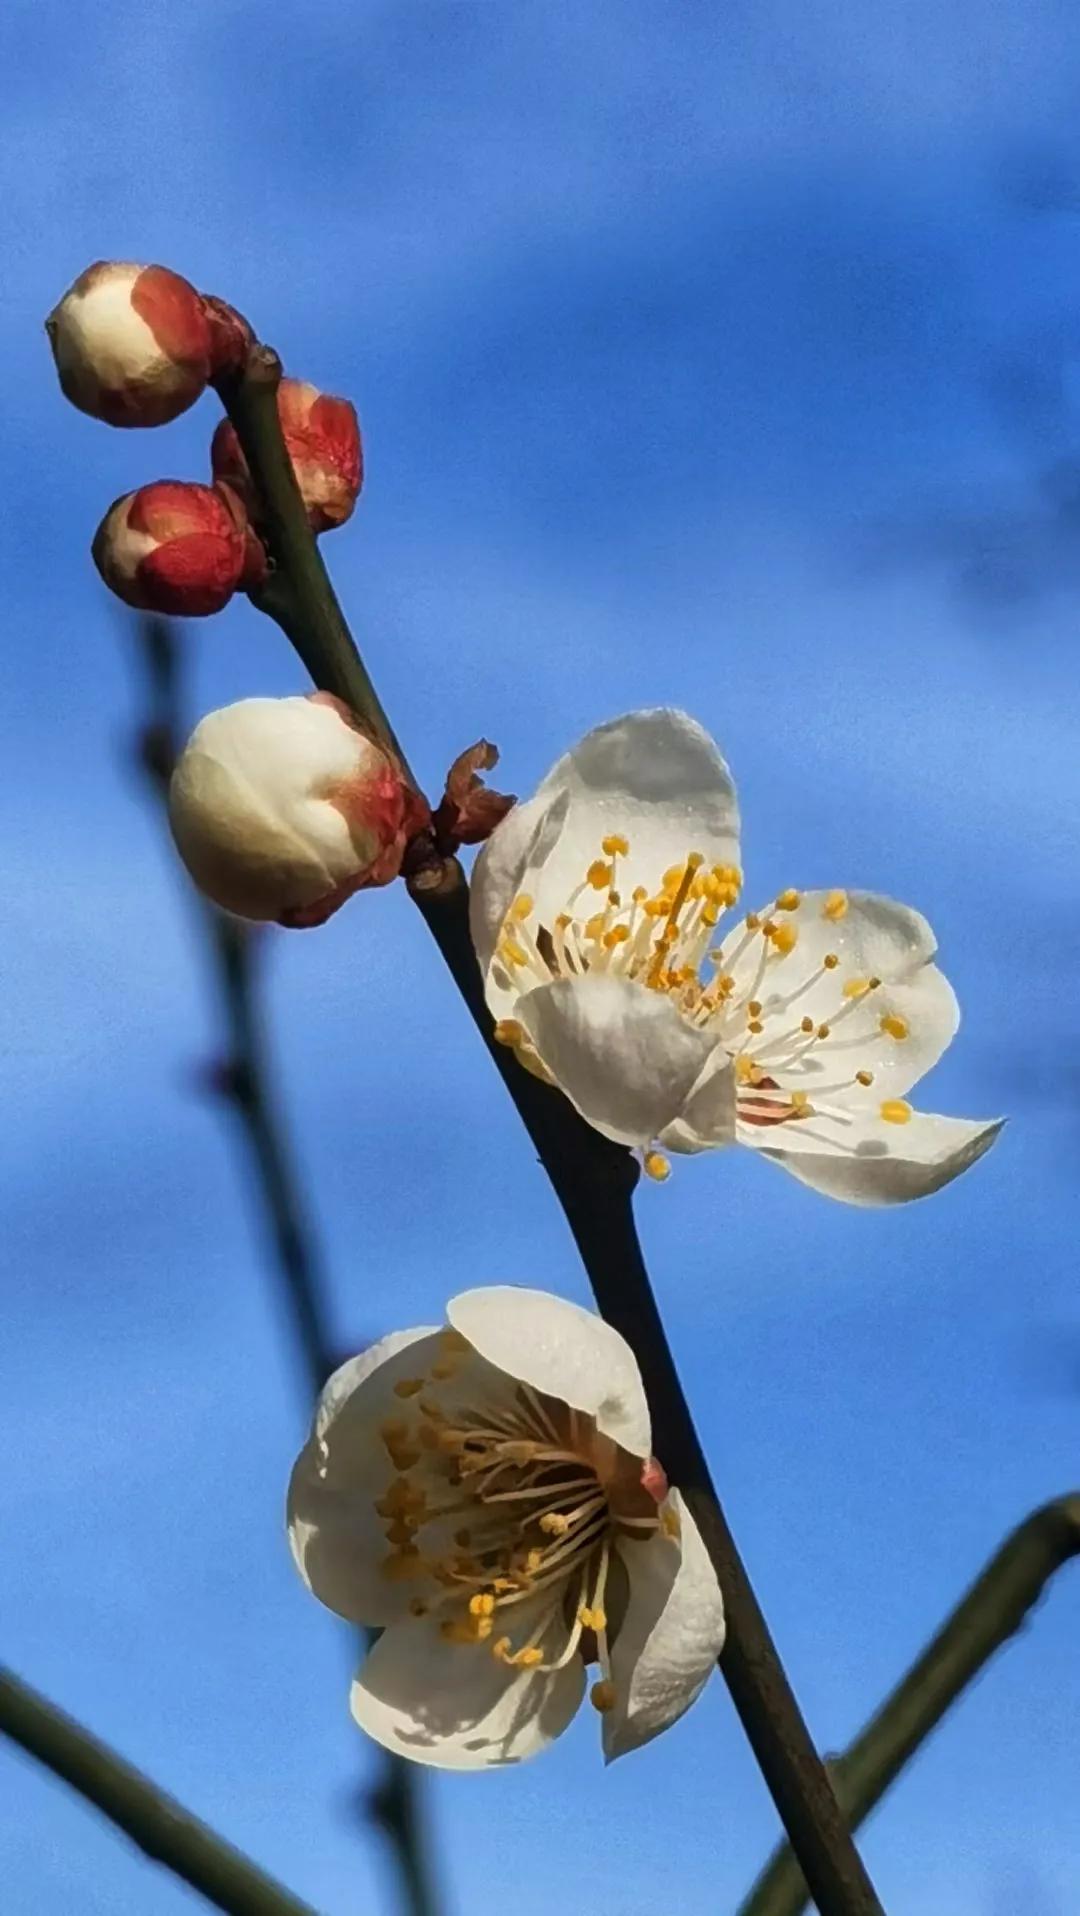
{"x":594,"y":1181}
{"x":162,"y":1828}
{"x":991,"y":1612}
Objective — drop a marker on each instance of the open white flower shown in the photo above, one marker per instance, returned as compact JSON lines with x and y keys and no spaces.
{"x":487,"y":1496}
{"x":597,"y":911}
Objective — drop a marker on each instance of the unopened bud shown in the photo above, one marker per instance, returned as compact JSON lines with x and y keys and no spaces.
{"x":133,"y":344}
{"x":282,"y":808}
{"x":177,"y":548}
{"x":322,"y":437}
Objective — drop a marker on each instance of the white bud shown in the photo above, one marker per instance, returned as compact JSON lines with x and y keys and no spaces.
{"x":282,"y":808}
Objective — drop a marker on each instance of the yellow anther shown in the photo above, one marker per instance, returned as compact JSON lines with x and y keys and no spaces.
{"x":830,"y":961}
{"x":789,"y":900}
{"x":753,"y":1009}
{"x":784,"y":938}
{"x":744,"y":1068}
{"x":673,"y":877}
{"x":896,"y":1111}
{"x":835,"y":906}
{"x":564,"y":921}
{"x":594,"y":927}
{"x":725,"y":984}
{"x":755,"y":1026}
{"x":500,"y":1649}
{"x":482,"y":1604}
{"x":618,"y":935}
{"x":403,"y":1565}
{"x":894,"y":1026}
{"x":533,"y":1560}
{"x":511,"y":952}
{"x":800,"y":1101}
{"x":408,"y":1386}
{"x":639,"y":894}
{"x":695,"y":862}
{"x":656,"y":907}
{"x":856,"y":987}
{"x":823,"y":1031}
{"x":509,"y":1031}
{"x":710,"y":914}
{"x":521,"y":907}
{"x":528,"y":1659}
{"x":752,"y":920}
{"x":554,"y":1524}
{"x":670,"y":1524}
{"x":602,"y":1696}
{"x":807,"y":1025}
{"x":598,"y":875}
{"x":417,"y":1607}
{"x":656,"y":1166}
{"x":615,"y":845}
{"x":465,"y":1629}
{"x":864,"y":1077}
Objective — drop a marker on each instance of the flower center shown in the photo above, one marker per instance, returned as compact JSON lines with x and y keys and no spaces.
{"x":515,"y":1504}
{"x":742,"y":987}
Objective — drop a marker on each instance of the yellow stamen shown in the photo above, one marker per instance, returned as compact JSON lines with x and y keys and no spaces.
{"x":830,"y":961}
{"x":509,"y":1031}
{"x":784,"y":938}
{"x":894,"y":1026}
{"x":615,"y":845}
{"x":789,"y":900}
{"x":864,"y":1077}
{"x":896,"y":1111}
{"x":599,"y":875}
{"x":482,"y":1604}
{"x":753,"y":1009}
{"x":823,"y":1031}
{"x":807,"y":1025}
{"x":656,"y":1166}
{"x":554,"y":1524}
{"x":835,"y":906}
{"x":602,"y":1696}
{"x":856,"y":987}
{"x":521,"y":907}
{"x":618,"y":935}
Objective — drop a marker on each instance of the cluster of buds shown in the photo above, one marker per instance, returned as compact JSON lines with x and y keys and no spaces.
{"x":280,"y":808}
{"x":137,"y":346}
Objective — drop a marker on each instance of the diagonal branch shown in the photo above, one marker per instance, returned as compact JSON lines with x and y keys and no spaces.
{"x":593,"y":1179}
{"x":165,"y":1831}
{"x":395,"y":1802}
{"x":992,"y":1611}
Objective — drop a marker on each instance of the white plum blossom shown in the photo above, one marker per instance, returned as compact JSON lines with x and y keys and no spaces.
{"x":486,"y":1495}
{"x":615,"y":964}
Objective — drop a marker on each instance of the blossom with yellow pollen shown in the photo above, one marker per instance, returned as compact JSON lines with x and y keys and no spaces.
{"x":487,"y":1496}
{"x":621,"y":966}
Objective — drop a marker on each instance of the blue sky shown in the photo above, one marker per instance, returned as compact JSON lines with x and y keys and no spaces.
{"x":730,"y":362}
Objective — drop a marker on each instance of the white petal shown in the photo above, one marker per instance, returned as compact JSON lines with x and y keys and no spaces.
{"x":622,"y":1054}
{"x":335,"y":1532}
{"x":707,"y":1119}
{"x":656,"y":777}
{"x":670,"y":1637}
{"x":871,"y":1162}
{"x":453,"y":1706}
{"x":562,"y":1350}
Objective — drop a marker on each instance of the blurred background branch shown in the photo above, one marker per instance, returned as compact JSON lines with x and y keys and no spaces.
{"x":242,"y":1079}
{"x":993,"y":1610}
{"x":162,"y":1828}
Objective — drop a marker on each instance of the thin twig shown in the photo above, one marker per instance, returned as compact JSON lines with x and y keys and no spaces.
{"x":992,"y":1611}
{"x":594,"y":1181}
{"x":394,"y":1802}
{"x":163,"y":1829}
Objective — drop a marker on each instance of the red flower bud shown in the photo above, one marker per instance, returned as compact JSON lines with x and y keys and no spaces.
{"x":322,"y":436}
{"x":133,"y":345}
{"x":177,"y":548}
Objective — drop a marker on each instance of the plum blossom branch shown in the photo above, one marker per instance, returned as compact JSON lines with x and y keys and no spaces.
{"x":395,"y":1801}
{"x":593,"y":1179}
{"x":164,"y":1831}
{"x":992,"y":1612}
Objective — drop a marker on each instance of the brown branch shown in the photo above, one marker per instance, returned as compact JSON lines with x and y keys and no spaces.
{"x":593,"y":1179}
{"x":992,"y":1611}
{"x":245,"y":1080}
{"x":163,"y":1829}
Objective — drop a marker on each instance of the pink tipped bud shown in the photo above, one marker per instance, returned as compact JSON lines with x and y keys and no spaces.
{"x":282,"y":808}
{"x":322,"y":435}
{"x":133,"y":344}
{"x":177,"y":548}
